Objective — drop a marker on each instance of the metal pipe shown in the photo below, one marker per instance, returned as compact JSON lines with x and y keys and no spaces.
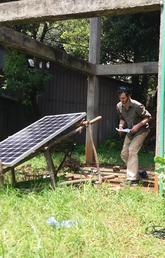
{"x":162,"y":97}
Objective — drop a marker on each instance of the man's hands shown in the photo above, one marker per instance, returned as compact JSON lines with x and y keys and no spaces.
{"x":121,"y":124}
{"x":120,"y":127}
{"x":135,"y":128}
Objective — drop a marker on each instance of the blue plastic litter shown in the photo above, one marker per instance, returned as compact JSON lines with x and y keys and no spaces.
{"x":61,"y":224}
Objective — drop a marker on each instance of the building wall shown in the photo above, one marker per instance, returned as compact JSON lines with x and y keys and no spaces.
{"x":13,"y":117}
{"x":67,"y":92}
{"x":107,"y":107}
{"x":2,"y":57}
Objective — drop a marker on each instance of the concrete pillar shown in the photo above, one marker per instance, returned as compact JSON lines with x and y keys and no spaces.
{"x":93,"y":84}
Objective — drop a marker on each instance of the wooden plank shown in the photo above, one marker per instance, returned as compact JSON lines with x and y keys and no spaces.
{"x":127,"y":69}
{"x":21,"y":42}
{"x":39,"y":10}
{"x":78,"y":181}
{"x":92,"y":111}
{"x":13,"y":178}
{"x":156,"y":184}
{"x":93,"y":86}
{"x":51,"y":168}
{"x":1,"y":174}
{"x":95,"y":153}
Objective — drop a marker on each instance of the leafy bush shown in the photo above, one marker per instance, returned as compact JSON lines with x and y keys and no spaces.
{"x":160,"y":161}
{"x":22,"y":79}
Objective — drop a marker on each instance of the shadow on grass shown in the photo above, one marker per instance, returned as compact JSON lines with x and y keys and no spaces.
{"x":34,"y":185}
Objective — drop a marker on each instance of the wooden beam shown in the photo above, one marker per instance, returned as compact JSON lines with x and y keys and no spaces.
{"x":13,"y":178}
{"x":1,"y":174}
{"x":39,"y":10}
{"x":13,"y":39}
{"x":51,"y":168}
{"x":128,"y":69}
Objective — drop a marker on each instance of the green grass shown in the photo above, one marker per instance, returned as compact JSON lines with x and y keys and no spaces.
{"x":110,"y":224}
{"x":108,"y":154}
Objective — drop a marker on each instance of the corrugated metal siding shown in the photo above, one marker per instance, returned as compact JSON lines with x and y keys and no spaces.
{"x":107,"y":107}
{"x":2,"y":57}
{"x":67,"y":92}
{"x":13,"y":117}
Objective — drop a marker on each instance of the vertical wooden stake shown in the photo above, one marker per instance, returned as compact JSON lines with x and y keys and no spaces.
{"x":156,"y":187}
{"x":93,"y":84}
{"x":51,"y":168}
{"x":13,"y":179}
{"x":95,"y":154}
{"x":1,"y":175}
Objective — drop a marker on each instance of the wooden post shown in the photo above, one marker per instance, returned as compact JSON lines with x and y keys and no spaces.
{"x":51,"y":168}
{"x":13,"y":179}
{"x":156,"y":186}
{"x":1,"y":175}
{"x":95,"y":154}
{"x":93,"y":85}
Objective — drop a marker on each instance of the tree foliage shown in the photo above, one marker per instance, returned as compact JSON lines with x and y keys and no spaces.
{"x":71,"y":35}
{"x":75,"y":37}
{"x":22,"y":79}
{"x":131,"y":38}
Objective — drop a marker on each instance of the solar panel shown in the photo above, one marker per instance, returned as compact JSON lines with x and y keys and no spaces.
{"x":23,"y":143}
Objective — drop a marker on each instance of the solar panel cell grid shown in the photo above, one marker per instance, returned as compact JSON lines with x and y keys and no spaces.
{"x":20,"y":145}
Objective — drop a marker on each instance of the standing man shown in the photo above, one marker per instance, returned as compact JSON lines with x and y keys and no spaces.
{"x":135,"y":117}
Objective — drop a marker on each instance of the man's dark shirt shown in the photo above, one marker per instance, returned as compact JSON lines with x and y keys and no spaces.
{"x":135,"y":114}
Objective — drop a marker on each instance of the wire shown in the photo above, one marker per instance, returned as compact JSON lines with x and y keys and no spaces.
{"x":65,"y":42}
{"x":156,"y":231}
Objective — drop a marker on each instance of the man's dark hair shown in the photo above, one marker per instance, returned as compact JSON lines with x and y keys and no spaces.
{"x":124,"y":89}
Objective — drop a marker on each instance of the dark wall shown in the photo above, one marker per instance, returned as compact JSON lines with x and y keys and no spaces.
{"x":13,"y":117}
{"x":67,"y":92}
{"x":2,"y":57}
{"x":107,"y":107}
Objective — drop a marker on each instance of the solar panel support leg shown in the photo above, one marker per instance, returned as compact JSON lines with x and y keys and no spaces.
{"x":51,"y":168}
{"x":1,"y":175}
{"x":13,"y":179}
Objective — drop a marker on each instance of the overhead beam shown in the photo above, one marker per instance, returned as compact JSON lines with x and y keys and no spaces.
{"x":127,"y":69}
{"x":39,"y":10}
{"x":13,"y":39}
